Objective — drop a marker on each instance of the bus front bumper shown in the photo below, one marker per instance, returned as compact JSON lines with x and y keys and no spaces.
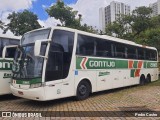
{"x":33,"y":94}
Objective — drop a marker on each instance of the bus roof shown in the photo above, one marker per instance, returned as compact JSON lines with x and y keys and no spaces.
{"x":11,"y":37}
{"x":110,"y":38}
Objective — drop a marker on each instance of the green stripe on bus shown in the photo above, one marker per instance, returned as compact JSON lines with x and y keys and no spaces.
{"x":133,"y":73}
{"x":135,"y":64}
{"x":30,"y":81}
{"x":78,"y":62}
{"x":152,"y":65}
{"x":96,"y":63}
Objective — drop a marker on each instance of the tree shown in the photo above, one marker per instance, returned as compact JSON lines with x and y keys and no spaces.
{"x":150,"y":37}
{"x":1,"y":25}
{"x":68,"y":17}
{"x":22,"y":22}
{"x":130,"y":26}
{"x":141,"y":20}
{"x":65,"y":14}
{"x":119,"y":28}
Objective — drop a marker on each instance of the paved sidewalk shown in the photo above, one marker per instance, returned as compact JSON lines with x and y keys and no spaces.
{"x":136,"y":98}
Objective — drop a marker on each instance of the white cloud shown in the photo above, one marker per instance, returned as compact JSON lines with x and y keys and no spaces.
{"x":8,"y":6}
{"x":15,"y":5}
{"x":44,"y":6}
{"x":9,"y":33}
{"x":90,"y":8}
{"x":50,"y":22}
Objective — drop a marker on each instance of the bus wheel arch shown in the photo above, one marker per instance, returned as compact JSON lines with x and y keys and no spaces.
{"x":84,"y":88}
{"x":148,"y":78}
{"x":142,"y":80}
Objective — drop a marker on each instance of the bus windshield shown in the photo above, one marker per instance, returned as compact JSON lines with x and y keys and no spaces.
{"x":31,"y":37}
{"x":25,"y":64}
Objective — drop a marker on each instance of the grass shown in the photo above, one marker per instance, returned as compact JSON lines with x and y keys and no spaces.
{"x":156,"y":83}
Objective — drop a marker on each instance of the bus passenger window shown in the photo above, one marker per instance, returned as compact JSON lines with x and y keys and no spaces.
{"x":131,"y":53}
{"x":103,"y":48}
{"x":141,"y":54}
{"x":86,"y":45}
{"x":119,"y":51}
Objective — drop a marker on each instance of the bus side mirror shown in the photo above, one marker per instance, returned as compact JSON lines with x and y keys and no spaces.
{"x":37,"y":47}
{"x":9,"y":50}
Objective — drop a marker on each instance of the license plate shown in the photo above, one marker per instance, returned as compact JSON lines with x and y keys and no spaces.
{"x":19,"y":92}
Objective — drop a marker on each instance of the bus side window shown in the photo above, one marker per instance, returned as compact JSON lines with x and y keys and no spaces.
{"x":86,"y":45}
{"x":153,"y":55}
{"x":119,"y":50}
{"x":10,"y":51}
{"x":141,"y":54}
{"x":131,"y":53}
{"x":103,"y":48}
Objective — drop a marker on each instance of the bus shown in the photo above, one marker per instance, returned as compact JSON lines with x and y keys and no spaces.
{"x":5,"y":64}
{"x":59,"y":62}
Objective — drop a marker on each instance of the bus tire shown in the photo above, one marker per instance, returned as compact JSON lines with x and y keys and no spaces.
{"x":148,"y":79}
{"x":83,"y":90}
{"x":142,"y":80}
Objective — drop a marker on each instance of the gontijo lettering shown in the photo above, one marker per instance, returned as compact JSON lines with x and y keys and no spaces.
{"x":102,"y":64}
{"x":5,"y":65}
{"x":153,"y":65}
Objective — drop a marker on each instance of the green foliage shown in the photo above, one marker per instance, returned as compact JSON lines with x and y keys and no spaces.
{"x":150,"y":37}
{"x":141,"y":19}
{"x":132,"y":25}
{"x":22,"y":22}
{"x":67,"y":17}
{"x":139,"y":27}
{"x":120,"y":28}
{"x":1,"y":25}
{"x":65,"y":14}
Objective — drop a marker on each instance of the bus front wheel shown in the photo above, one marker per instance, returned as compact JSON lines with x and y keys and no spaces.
{"x":83,"y":90}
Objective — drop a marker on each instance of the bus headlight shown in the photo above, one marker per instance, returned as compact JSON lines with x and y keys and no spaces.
{"x":36,"y":85}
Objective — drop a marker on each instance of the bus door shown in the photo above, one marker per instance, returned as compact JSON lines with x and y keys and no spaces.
{"x":59,"y":64}
{"x":53,"y":75}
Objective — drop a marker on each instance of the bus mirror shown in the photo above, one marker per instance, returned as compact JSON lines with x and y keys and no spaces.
{"x":8,"y":51}
{"x":37,"y":47}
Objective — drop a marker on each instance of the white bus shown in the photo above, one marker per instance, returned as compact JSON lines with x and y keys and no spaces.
{"x":5,"y":64}
{"x":61,"y":62}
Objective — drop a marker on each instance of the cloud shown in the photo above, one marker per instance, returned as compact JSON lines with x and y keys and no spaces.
{"x":44,"y":6}
{"x":50,"y":22}
{"x":9,"y":33}
{"x":8,"y":6}
{"x":13,"y":5}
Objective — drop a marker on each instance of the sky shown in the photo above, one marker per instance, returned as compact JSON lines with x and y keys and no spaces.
{"x":88,"y":8}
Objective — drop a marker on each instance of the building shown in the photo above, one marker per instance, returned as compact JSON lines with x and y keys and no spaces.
{"x":155,"y":8}
{"x":111,"y":12}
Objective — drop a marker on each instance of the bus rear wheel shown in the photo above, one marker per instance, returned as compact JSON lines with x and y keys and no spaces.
{"x":83,"y":90}
{"x":142,"y":80}
{"x":148,"y":79}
